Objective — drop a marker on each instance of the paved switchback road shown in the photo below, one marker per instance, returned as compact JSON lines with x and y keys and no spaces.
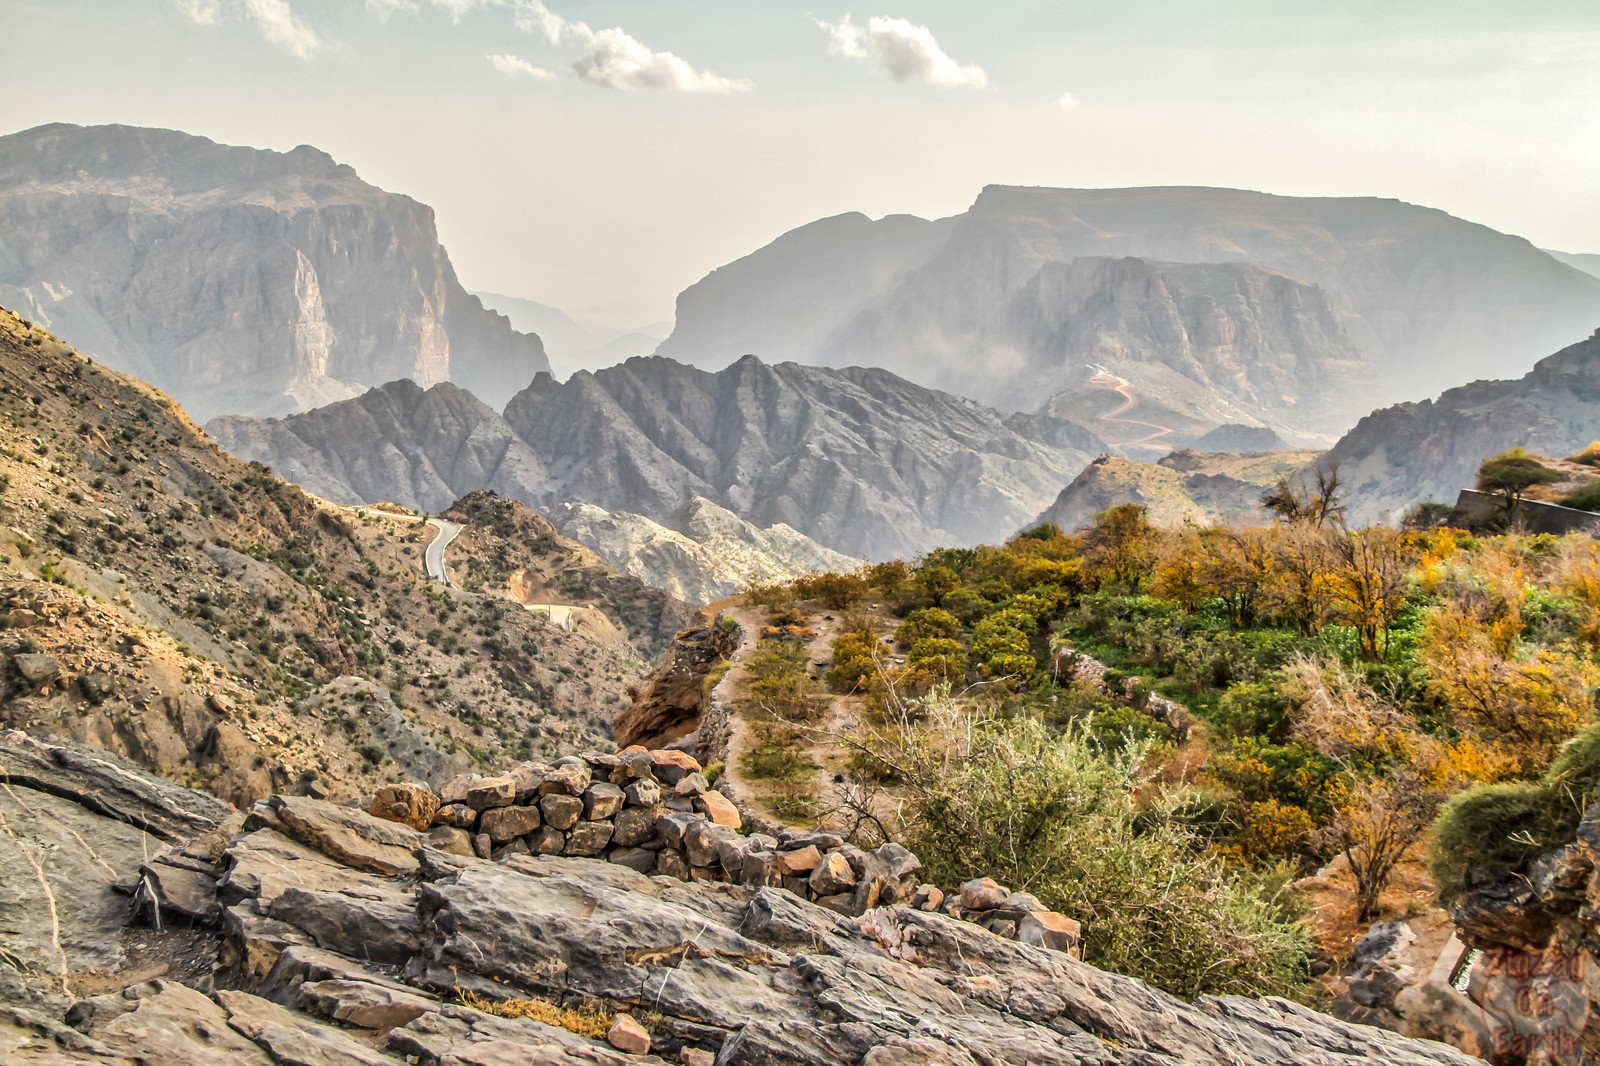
{"x":433,"y":554}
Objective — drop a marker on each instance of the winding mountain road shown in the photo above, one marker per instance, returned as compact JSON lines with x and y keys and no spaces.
{"x":433,"y":554}
{"x":1129,"y":401}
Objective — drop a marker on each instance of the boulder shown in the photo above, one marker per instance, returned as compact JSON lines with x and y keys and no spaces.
{"x":569,"y":780}
{"x":628,"y":1035}
{"x":691,"y":784}
{"x":802,"y":861}
{"x":457,"y":815}
{"x":982,"y":894}
{"x":348,"y":836}
{"x":560,"y":810}
{"x":601,"y":800}
{"x":633,"y":858}
{"x":455,"y":790}
{"x":1047,"y":929}
{"x":293,"y":1038}
{"x":643,"y":794}
{"x":505,"y":823}
{"x":669,"y":767}
{"x":717,"y":807}
{"x":633,"y":826}
{"x":410,"y":804}
{"x":449,"y":839}
{"x":547,"y":840}
{"x":588,"y":838}
{"x":37,"y":669}
{"x":832,"y":876}
{"x":489,"y":792}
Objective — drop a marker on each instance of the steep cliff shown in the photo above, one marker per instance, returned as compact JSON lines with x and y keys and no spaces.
{"x":1423,"y":297}
{"x":1413,"y":452}
{"x":859,"y":460}
{"x":239,"y":280}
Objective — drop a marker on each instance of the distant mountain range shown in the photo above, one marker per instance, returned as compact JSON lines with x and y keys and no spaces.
{"x":859,"y":460}
{"x":571,"y":344}
{"x":1211,"y":305}
{"x":239,"y":280}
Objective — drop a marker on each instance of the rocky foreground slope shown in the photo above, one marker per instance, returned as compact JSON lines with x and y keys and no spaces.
{"x":1414,"y":452}
{"x":861,"y":461}
{"x":239,"y":280}
{"x":206,"y":619}
{"x":310,"y":933}
{"x":1282,"y":303}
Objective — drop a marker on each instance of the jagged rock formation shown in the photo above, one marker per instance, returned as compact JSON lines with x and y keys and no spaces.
{"x":239,"y":280}
{"x":701,"y":552}
{"x":1183,"y":486}
{"x":1413,"y":452}
{"x":1030,"y":284}
{"x":858,"y":460}
{"x":344,"y":938}
{"x":199,"y":616}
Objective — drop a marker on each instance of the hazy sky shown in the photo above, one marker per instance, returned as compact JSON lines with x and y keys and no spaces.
{"x":600,"y":155}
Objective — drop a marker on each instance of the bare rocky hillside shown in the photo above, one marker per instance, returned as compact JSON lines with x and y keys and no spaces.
{"x":197,"y":614}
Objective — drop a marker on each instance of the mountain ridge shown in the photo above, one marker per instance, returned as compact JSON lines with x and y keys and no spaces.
{"x":856,"y":459}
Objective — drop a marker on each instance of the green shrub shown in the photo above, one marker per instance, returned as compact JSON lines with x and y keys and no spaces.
{"x":1055,"y":815}
{"x":1485,"y":835}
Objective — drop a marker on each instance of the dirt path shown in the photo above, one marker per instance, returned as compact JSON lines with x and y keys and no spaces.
{"x":1129,"y":401}
{"x":839,"y":714}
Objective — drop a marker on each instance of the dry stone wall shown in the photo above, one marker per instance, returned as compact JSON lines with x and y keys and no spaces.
{"x":655,"y":813}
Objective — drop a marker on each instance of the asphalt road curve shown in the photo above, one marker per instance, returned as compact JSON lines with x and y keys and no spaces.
{"x":433,"y":554}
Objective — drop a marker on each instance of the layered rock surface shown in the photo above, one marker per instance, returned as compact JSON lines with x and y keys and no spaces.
{"x":1286,"y":290}
{"x":346,"y":938}
{"x":239,"y":280}
{"x":859,"y":460}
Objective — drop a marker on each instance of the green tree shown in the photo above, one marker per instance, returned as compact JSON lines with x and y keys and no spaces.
{"x":1513,"y":473}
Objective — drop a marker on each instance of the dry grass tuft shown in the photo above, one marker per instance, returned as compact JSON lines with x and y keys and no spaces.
{"x":586,"y":1020}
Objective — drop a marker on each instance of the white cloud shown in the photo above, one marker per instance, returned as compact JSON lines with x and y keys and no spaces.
{"x":275,"y":19}
{"x":532,"y":16}
{"x":905,"y":49}
{"x":281,"y":26}
{"x":382,"y":9}
{"x":1067,"y":102}
{"x":517,"y":67}
{"x":202,"y":12}
{"x":457,"y":8}
{"x":617,"y":61}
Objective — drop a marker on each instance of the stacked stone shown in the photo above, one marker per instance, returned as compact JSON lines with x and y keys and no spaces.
{"x":654,"y":812}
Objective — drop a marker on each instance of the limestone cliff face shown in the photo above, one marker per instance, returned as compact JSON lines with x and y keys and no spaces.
{"x":1413,"y":452}
{"x":859,"y":460}
{"x":239,"y":280}
{"x":980,"y":303}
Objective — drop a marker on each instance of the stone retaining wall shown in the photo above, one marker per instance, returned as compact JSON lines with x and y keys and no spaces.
{"x":654,"y":812}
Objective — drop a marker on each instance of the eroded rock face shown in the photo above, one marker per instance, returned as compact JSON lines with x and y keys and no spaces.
{"x":239,"y":280}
